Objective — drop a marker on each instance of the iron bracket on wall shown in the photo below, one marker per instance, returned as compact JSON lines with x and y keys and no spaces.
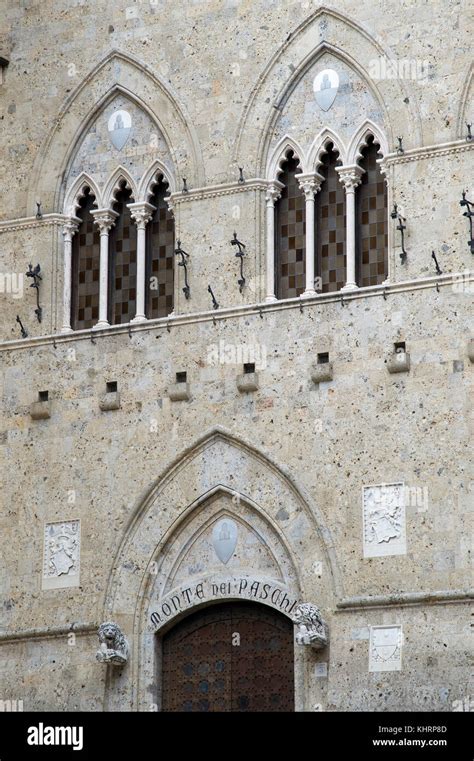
{"x":179,"y":252}
{"x":215,"y":305}
{"x":24,"y":332}
{"x":469,"y":213}
{"x":438,"y":268}
{"x":240,"y":253}
{"x":395,"y":214}
{"x":35,"y":275}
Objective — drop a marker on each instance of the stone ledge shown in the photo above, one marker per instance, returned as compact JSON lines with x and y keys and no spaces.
{"x":399,"y":363}
{"x":40,"y":410}
{"x":247,"y":382}
{"x":109,"y":401}
{"x":322,"y":373}
{"x":179,"y":392}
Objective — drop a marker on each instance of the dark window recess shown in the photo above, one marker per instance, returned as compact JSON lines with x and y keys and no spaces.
{"x":43,"y":396}
{"x":249,"y":367}
{"x":330,"y":218}
{"x":323,"y":358}
{"x":181,"y":377}
{"x":290,"y":233}
{"x":111,"y":387}
{"x":122,"y":261}
{"x":85,"y":267}
{"x":160,"y":256}
{"x":371,"y":220}
{"x":400,"y":347}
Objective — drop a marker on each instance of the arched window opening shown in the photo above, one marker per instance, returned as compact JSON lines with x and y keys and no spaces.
{"x":330,"y":220}
{"x":122,"y":261}
{"x":290,"y":245}
{"x":371,"y":220}
{"x":160,"y":255}
{"x":85,"y":267}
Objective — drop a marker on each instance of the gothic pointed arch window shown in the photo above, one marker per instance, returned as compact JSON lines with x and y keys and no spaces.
{"x":160,"y":255}
{"x":85,"y":266}
{"x":371,"y":219}
{"x":330,"y":222}
{"x":122,"y":260}
{"x":290,"y":248}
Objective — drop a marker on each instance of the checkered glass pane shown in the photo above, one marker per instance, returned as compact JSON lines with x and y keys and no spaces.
{"x":123,"y":263}
{"x":85,"y":268}
{"x":290,"y":234}
{"x":330,"y":219}
{"x":371,"y":221}
{"x":160,"y":264}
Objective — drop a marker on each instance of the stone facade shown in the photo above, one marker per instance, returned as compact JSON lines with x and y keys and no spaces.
{"x":351,"y":490}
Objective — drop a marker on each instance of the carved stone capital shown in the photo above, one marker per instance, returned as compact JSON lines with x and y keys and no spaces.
{"x":141,"y":213}
{"x":104,"y":219}
{"x":113,"y":645}
{"x":70,"y":227}
{"x":350,"y":176}
{"x":310,"y":183}
{"x":310,"y":628}
{"x":273,"y":192}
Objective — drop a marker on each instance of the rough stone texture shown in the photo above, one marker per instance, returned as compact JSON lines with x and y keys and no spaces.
{"x":288,"y":461}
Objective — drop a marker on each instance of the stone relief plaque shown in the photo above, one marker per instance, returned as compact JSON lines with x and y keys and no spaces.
{"x":384,"y":524}
{"x":385,"y":648}
{"x":325,"y":86}
{"x":61,"y":555}
{"x":224,"y":539}
{"x":119,"y":127}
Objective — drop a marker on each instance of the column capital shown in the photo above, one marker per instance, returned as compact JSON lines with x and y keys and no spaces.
{"x":350,"y":176}
{"x":310,"y":183}
{"x":141,"y":212}
{"x":104,"y":218}
{"x":273,"y":191}
{"x":70,"y":227}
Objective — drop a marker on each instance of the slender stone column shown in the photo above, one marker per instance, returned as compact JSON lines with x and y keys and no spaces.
{"x":105,"y":220}
{"x":350,"y":176}
{"x":69,"y":230}
{"x":141,"y":214}
{"x":310,"y":184}
{"x":273,"y":194}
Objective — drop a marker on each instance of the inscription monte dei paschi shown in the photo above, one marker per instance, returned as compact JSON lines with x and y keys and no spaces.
{"x":250,"y":589}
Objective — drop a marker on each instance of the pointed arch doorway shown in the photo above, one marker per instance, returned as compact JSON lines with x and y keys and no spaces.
{"x":231,"y":657}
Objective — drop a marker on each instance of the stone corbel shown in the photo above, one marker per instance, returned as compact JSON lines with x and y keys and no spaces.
{"x":311,"y":629}
{"x":113,"y":645}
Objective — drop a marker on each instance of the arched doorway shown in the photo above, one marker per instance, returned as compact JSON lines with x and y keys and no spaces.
{"x":235,"y":656}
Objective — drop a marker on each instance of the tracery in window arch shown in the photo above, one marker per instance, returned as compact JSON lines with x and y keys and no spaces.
{"x":122,"y":261}
{"x":330,"y":221}
{"x":160,"y":255}
{"x":290,"y":267}
{"x":371,"y":220}
{"x":85,"y":266}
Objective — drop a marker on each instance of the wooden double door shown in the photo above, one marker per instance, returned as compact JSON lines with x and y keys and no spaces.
{"x":229,"y":657}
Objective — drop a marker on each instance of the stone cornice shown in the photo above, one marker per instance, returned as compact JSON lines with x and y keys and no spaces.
{"x":53,"y":631}
{"x":344,"y":298}
{"x":406,"y":598}
{"x":214,"y":191}
{"x":427,"y":152}
{"x":22,"y":223}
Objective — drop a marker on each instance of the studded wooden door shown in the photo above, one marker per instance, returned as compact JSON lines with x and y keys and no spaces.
{"x":229,"y":657}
